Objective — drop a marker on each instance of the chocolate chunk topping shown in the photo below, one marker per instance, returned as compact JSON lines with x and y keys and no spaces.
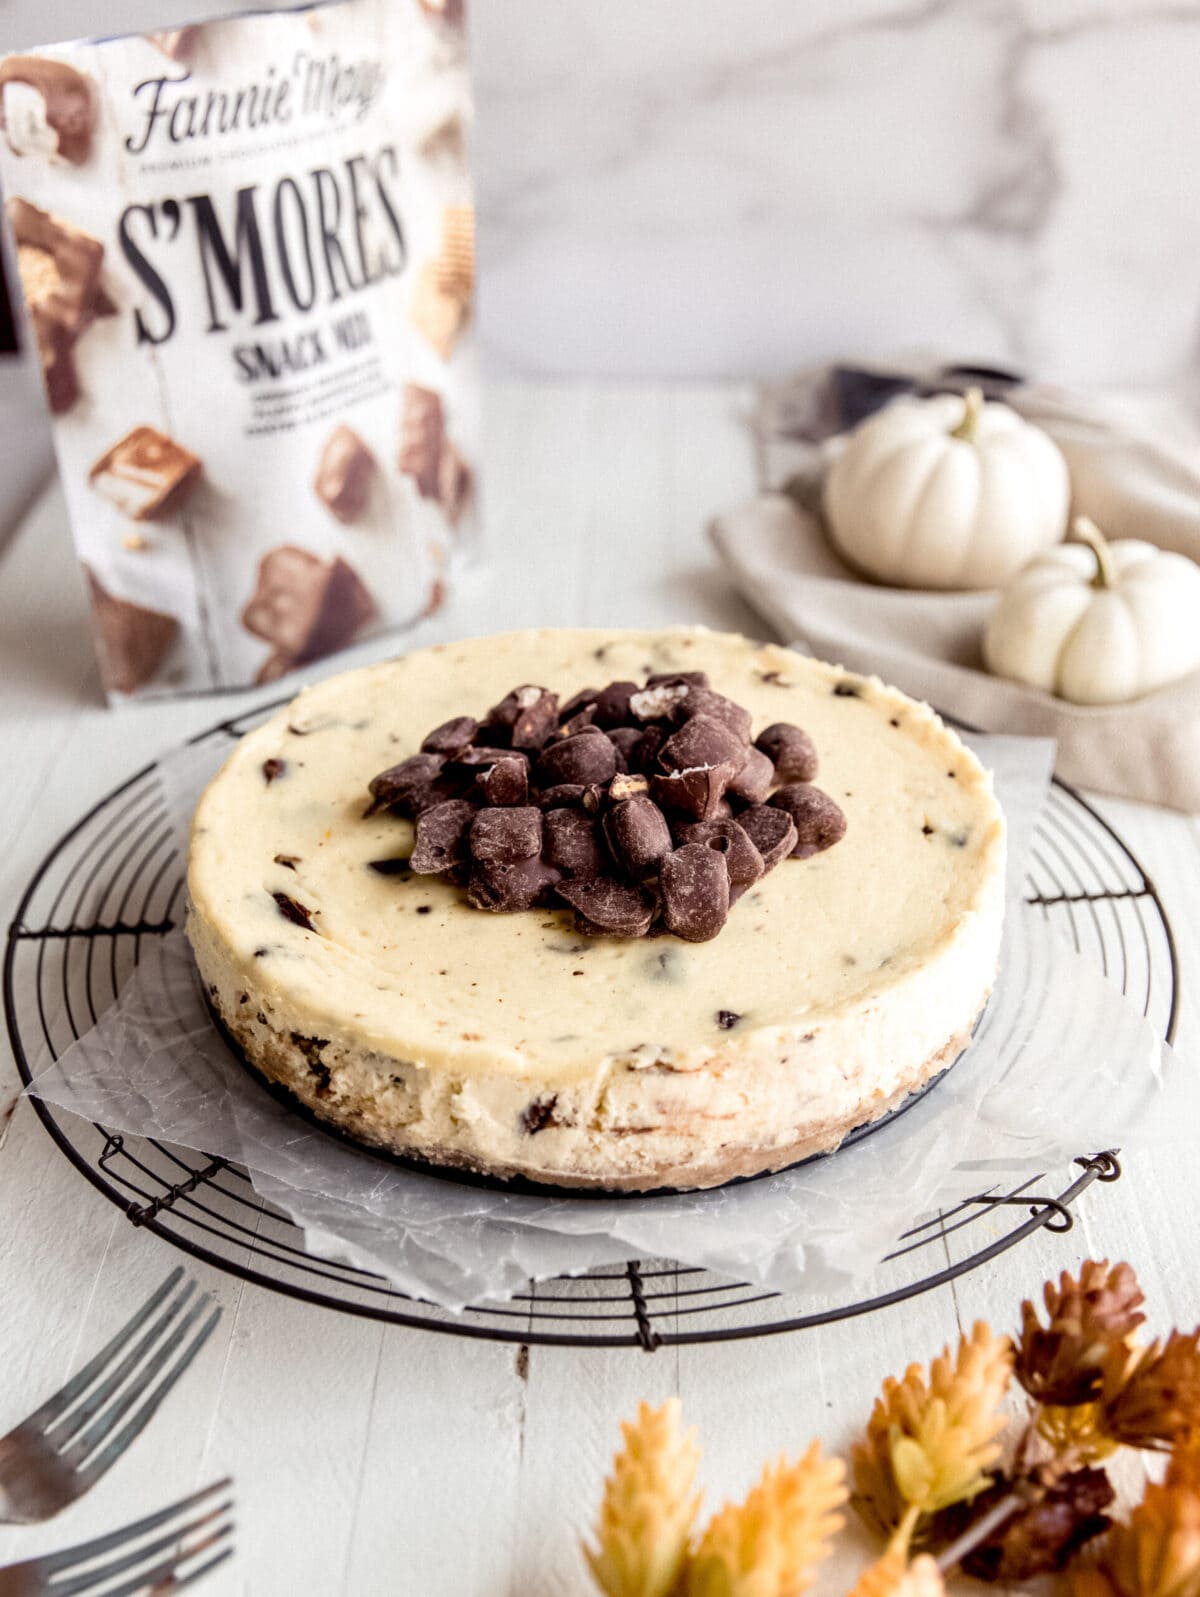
{"x":743,"y":862}
{"x":697,"y":764}
{"x":755,"y":779}
{"x":504,"y":836}
{"x":772,"y":831}
{"x":272,"y":769}
{"x":626,"y":740}
{"x":452,"y":738}
{"x":572,"y":845}
{"x":657,"y":703}
{"x":632,"y":805}
{"x":609,"y":908}
{"x":624,"y":786}
{"x":819,"y":821}
{"x":638,"y":835}
{"x":694,"y":679}
{"x":442,"y":837}
{"x":296,"y":913}
{"x":530,"y":713}
{"x":402,"y":787}
{"x":583,"y":757}
{"x":506,"y":886}
{"x":792,"y":751}
{"x":612,"y":704}
{"x":703,"y":701}
{"x":695,"y":890}
{"x":506,"y":783}
{"x":566,"y":793}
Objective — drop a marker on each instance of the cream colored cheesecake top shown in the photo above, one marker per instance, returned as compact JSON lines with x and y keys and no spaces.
{"x":402,"y":964}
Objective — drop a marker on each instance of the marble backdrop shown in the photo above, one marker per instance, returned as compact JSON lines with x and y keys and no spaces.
{"x":677,"y":187}
{"x":733,"y":186}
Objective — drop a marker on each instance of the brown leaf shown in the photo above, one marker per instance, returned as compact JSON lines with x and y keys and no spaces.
{"x":1043,"y":1538}
{"x":1062,"y":1362}
{"x":1151,"y":1395}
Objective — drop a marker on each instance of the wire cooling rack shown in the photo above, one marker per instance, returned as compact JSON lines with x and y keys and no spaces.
{"x":116,"y":878}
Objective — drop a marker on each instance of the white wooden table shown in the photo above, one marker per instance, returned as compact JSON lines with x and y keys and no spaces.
{"x":372,"y":1460}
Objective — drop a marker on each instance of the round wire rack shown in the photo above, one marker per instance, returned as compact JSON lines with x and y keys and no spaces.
{"x":117,"y":878}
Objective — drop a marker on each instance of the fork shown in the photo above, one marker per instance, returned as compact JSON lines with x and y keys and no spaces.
{"x":154,"y":1568}
{"x":65,"y":1446}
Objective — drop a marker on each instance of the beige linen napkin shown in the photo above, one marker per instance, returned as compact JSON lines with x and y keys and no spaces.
{"x":1135,"y":469}
{"x":928,"y":644}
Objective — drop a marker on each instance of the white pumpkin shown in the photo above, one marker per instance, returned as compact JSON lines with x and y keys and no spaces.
{"x":1098,"y":623}
{"x":946,"y":493}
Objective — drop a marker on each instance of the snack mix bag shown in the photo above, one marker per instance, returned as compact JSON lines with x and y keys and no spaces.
{"x":247,"y":255}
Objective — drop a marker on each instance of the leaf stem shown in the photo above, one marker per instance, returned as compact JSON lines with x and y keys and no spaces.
{"x":979,"y":1532}
{"x":1085,"y":530}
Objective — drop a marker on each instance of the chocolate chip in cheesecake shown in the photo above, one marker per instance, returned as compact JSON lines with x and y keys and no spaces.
{"x":272,"y":769}
{"x":504,"y":836}
{"x":743,"y":862}
{"x":695,"y":892}
{"x":442,"y":837}
{"x":638,"y":835}
{"x":572,"y":845}
{"x":583,"y":757}
{"x":607,"y":907}
{"x":539,"y":1114}
{"x":772,"y":831}
{"x":400,"y":865}
{"x":790,"y":749}
{"x":452,"y":738}
{"x":288,"y":861}
{"x":291,"y":910}
{"x":819,"y":822}
{"x":727,"y":1019}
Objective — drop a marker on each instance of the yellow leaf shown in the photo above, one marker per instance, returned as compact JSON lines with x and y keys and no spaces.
{"x":648,"y":1507}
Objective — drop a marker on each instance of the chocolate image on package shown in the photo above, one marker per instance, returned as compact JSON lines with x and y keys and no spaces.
{"x":304,"y":607}
{"x":427,"y":455}
{"x":132,"y":640}
{"x":441,"y":302}
{"x":46,"y":109}
{"x":59,"y":267}
{"x":145,"y":473}
{"x":344,"y":474}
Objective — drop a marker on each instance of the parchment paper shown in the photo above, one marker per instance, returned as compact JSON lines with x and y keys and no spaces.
{"x":1061,"y":1065}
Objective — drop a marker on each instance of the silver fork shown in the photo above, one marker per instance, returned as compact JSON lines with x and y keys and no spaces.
{"x":65,"y":1446}
{"x":165,"y":1564}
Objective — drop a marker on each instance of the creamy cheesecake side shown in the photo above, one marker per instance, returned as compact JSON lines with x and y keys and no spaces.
{"x":514,"y":1045}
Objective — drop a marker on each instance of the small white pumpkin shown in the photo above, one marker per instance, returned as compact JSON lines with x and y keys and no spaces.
{"x":946,"y":493}
{"x":1098,"y":623}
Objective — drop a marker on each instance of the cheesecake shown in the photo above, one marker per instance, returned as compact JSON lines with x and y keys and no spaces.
{"x":355,"y":948}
